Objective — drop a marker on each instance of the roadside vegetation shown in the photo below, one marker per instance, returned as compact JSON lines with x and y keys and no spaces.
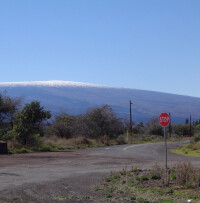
{"x":31,"y":128}
{"x":145,"y":186}
{"x":192,"y":149}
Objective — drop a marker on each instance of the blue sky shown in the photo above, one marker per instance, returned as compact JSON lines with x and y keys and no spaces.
{"x":142,"y":44}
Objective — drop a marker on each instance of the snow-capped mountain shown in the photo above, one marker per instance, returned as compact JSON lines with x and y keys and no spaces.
{"x":76,"y":97}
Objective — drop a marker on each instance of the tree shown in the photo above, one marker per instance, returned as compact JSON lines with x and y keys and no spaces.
{"x":28,"y":122}
{"x":103,"y":121}
{"x":64,"y":126}
{"x":153,"y":127}
{"x":8,"y":110}
{"x":139,"y":128}
{"x":183,"y":130}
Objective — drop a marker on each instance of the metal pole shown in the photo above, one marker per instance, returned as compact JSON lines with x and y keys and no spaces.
{"x":165,"y":136}
{"x":190,"y":126}
{"x":131,"y":121}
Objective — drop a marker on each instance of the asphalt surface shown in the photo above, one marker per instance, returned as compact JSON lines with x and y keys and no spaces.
{"x":41,"y":176}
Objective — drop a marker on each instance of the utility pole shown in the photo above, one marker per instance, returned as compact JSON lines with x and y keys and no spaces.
{"x":131,"y":121}
{"x":190,"y":126}
{"x":170,"y":126}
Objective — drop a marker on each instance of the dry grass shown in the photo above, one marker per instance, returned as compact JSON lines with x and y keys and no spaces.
{"x":157,"y":170}
{"x":63,"y":143}
{"x":12,"y":144}
{"x":196,"y":146}
{"x":54,"y":140}
{"x":139,"y":185}
{"x":121,"y":140}
{"x":73,"y":142}
{"x":185,"y":173}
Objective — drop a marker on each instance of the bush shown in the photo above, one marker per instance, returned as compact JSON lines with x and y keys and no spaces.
{"x":173,"y":175}
{"x":183,"y":130}
{"x":121,"y":140}
{"x":64,"y":126}
{"x":10,"y":135}
{"x":144,"y":177}
{"x":46,"y":148}
{"x":20,"y":151}
{"x":184,"y":172}
{"x":105,"y":140}
{"x":155,"y":176}
{"x":189,"y":185}
{"x":157,"y":172}
{"x":82,"y":141}
{"x":196,"y":138}
{"x":196,"y":146}
{"x":28,"y":122}
{"x":142,"y":200}
{"x":155,"y":129}
{"x":103,"y":121}
{"x":8,"y":109}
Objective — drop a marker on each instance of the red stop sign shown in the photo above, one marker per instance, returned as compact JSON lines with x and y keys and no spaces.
{"x":164,"y":119}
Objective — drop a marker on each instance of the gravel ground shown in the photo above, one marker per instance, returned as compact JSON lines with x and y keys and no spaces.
{"x":70,"y":176}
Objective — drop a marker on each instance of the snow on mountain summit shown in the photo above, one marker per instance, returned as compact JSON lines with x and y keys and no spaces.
{"x":53,"y":83}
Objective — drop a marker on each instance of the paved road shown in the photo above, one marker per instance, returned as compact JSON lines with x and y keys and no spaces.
{"x":23,"y":176}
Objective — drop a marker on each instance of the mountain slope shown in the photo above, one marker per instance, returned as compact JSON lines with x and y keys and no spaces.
{"x":76,"y":97}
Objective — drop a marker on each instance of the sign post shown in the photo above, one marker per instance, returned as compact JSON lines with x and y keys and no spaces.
{"x":164,"y":120}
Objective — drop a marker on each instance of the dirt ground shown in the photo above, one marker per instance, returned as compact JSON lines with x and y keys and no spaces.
{"x":70,"y":176}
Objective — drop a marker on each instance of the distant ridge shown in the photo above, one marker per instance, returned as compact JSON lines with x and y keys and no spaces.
{"x":77,"y":97}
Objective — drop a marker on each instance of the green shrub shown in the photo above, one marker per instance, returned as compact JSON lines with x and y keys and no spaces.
{"x":10,"y":135}
{"x":132,"y":197}
{"x":169,"y":191}
{"x":116,"y":177}
{"x":189,"y":185}
{"x":173,"y":176}
{"x":20,"y":151}
{"x":157,"y":172}
{"x":155,"y":176}
{"x":144,"y":177}
{"x":137,"y":178}
{"x":46,"y":148}
{"x":142,"y":200}
{"x":108,"y":179}
{"x":123,"y":182}
{"x":156,"y":129}
{"x":136,"y":170}
{"x":131,"y":180}
{"x":107,"y":195}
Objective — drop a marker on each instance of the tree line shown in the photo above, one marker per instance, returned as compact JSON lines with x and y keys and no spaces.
{"x":27,"y":124}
